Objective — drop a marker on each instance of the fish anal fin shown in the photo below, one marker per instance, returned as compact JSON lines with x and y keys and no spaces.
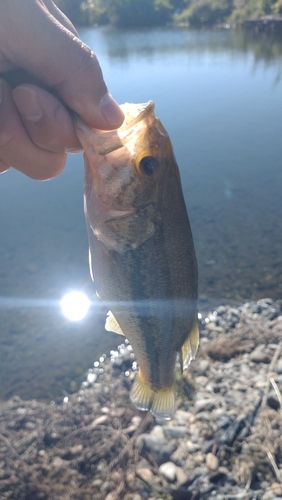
{"x":112,"y":325}
{"x":190,"y":346}
{"x":141,"y":393}
{"x":159,"y":402}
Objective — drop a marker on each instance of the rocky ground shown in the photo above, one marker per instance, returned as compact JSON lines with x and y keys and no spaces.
{"x":225,"y":441}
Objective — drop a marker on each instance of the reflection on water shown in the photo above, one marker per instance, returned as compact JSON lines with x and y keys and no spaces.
{"x":166,"y":42}
{"x":218,"y":95}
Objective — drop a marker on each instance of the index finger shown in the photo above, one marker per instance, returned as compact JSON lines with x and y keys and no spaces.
{"x":36,"y":41}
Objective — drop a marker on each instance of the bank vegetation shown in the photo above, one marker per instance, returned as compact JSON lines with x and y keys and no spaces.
{"x":195,"y":13}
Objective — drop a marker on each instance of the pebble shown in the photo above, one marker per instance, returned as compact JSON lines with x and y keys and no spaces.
{"x":136,"y":420}
{"x":259,"y":355}
{"x":97,"y":482}
{"x":146,"y":474}
{"x":268,"y":495}
{"x":272,"y":401}
{"x":179,"y":456}
{"x":277,"y":489}
{"x":245,"y":369}
{"x":58,"y":462}
{"x":182,"y":448}
{"x":279,"y":366}
{"x":204,"y":404}
{"x":160,"y":449}
{"x":201,"y":380}
{"x":212,"y":461}
{"x":110,"y":496}
{"x":168,"y":470}
{"x":158,"y":433}
{"x":191,"y":447}
{"x":177,"y":431}
{"x":204,"y":415}
{"x":182,"y":415}
{"x":203,"y":367}
{"x":181,"y":477}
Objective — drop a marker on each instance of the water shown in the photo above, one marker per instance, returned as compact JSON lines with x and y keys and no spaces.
{"x":218,"y":94}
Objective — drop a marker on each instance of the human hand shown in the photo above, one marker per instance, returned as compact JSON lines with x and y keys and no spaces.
{"x":36,"y":128}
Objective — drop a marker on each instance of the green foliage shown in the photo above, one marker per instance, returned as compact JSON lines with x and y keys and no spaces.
{"x":120,"y":13}
{"x":277,"y":7}
{"x":255,"y":8}
{"x":206,"y":12}
{"x":95,"y":11}
{"x":132,"y":13}
{"x":135,"y":13}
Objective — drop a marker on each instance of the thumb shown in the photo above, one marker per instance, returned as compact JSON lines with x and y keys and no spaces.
{"x":37,"y":42}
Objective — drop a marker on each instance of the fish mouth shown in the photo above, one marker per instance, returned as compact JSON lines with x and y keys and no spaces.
{"x":105,"y":142}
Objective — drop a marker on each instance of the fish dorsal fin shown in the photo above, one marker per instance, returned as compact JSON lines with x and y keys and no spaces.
{"x":112,"y":325}
{"x":159,"y":401}
{"x":190,"y":346}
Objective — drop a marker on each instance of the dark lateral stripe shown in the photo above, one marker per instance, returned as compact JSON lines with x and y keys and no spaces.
{"x":150,"y":282}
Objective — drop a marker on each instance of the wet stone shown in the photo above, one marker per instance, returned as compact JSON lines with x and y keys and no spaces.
{"x":168,"y":470}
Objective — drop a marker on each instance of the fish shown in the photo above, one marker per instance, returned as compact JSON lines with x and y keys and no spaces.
{"x":141,"y":251}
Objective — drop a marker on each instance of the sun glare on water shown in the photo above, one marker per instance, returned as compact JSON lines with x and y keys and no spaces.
{"x":75,"y":305}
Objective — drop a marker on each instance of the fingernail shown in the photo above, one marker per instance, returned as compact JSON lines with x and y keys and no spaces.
{"x":27,"y":103}
{"x":111,"y":110}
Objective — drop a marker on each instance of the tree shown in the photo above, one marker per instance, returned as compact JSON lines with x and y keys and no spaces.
{"x":132,"y":13}
{"x":206,"y":12}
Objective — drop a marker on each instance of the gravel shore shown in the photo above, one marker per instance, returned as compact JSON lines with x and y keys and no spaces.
{"x":225,"y":440}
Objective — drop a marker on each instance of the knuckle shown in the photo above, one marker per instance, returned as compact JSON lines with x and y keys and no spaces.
{"x":5,"y":139}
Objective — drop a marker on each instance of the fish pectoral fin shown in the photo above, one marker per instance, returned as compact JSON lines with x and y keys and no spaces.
{"x":112,"y":325}
{"x":160,"y":402}
{"x":190,"y":346}
{"x":90,"y":265}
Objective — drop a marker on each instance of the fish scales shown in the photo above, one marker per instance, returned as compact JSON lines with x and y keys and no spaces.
{"x":142,"y":256}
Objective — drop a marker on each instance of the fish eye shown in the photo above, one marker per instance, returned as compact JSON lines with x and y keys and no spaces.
{"x":148,"y":165}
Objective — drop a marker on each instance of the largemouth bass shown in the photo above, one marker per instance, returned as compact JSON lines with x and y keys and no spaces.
{"x":142,"y":256}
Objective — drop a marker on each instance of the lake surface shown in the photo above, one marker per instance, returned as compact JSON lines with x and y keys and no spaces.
{"x":218,"y":93}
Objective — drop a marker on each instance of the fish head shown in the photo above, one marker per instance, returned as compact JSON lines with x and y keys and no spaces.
{"x":124,"y":174}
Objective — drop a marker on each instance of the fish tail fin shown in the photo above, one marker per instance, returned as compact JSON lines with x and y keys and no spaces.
{"x":160,"y":402}
{"x":190,"y":346}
